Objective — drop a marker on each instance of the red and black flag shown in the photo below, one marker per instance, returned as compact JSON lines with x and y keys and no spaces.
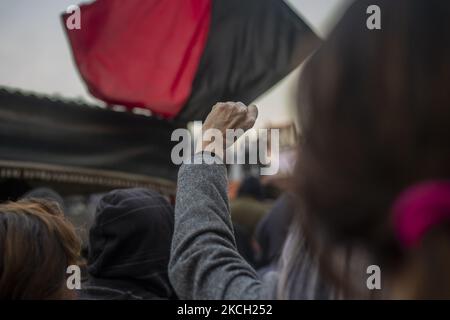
{"x":178,"y":57}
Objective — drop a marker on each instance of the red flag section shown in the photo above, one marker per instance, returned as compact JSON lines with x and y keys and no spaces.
{"x":141,"y":53}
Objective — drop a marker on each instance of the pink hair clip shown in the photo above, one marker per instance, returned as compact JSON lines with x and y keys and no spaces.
{"x":420,"y":208}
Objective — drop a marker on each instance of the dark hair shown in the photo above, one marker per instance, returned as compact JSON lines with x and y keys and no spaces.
{"x":36,"y":245}
{"x":374,"y":109}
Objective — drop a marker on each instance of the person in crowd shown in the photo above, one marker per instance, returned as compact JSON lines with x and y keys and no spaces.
{"x":271,"y":233}
{"x":37,"y":244}
{"x":372,"y":176}
{"x":247,"y":209}
{"x":129,"y":247}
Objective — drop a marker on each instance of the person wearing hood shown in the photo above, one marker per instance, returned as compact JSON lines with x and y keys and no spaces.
{"x":129,"y":247}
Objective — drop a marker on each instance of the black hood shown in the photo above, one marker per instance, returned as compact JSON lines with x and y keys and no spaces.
{"x":129,"y":243}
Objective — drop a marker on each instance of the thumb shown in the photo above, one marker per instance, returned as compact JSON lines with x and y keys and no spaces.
{"x":252,"y":112}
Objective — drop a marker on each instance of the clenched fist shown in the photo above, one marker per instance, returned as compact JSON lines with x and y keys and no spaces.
{"x":225,"y":116}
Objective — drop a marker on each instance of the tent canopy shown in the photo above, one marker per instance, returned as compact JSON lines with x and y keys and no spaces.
{"x":65,"y":141}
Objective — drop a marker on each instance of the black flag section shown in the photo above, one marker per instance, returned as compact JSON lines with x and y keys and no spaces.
{"x":252,"y":44}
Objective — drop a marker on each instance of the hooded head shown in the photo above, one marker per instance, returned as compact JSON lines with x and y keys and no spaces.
{"x":129,"y":243}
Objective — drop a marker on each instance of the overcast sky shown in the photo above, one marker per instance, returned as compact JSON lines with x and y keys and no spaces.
{"x":35,"y":56}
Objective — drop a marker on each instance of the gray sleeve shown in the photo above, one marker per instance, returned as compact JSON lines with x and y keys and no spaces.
{"x":204,"y":262}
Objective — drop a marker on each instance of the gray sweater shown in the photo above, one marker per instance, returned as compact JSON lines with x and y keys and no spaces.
{"x":204,"y":262}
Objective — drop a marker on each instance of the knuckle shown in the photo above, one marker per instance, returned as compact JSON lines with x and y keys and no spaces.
{"x":219,"y":106}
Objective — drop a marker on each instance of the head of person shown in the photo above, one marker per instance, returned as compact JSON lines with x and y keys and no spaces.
{"x":271,"y":231}
{"x":374,"y":111}
{"x":37,"y":244}
{"x":129,"y":243}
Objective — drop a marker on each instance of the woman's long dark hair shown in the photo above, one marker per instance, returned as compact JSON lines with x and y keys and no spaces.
{"x":374,"y":110}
